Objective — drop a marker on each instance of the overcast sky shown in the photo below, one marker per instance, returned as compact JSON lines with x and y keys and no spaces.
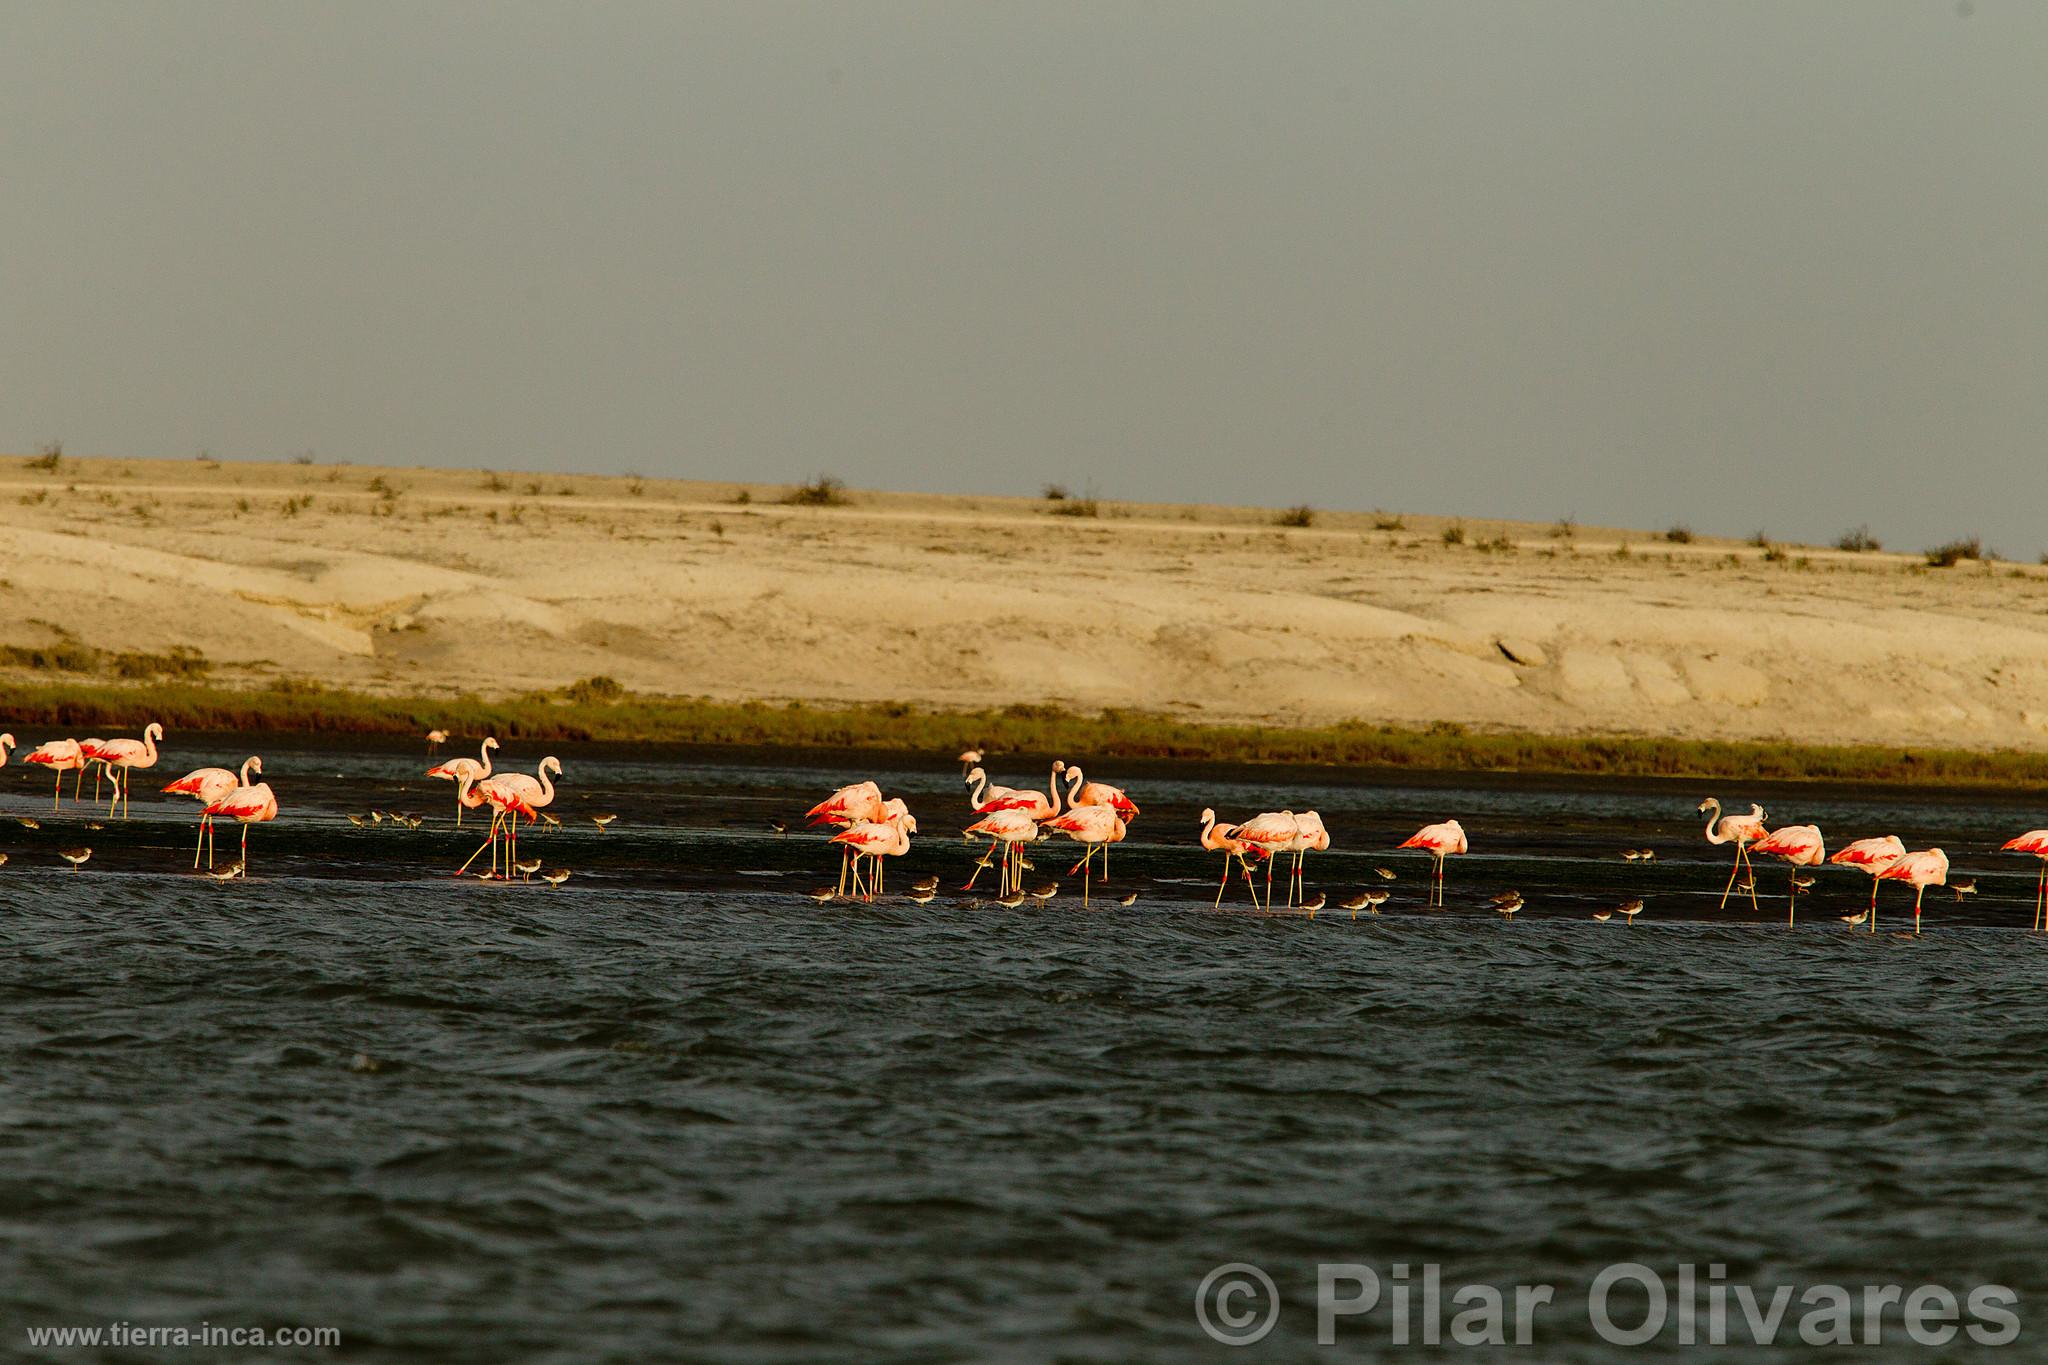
{"x":1754,"y":265}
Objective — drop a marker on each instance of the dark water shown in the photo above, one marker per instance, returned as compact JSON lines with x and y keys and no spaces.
{"x":675,"y":1111}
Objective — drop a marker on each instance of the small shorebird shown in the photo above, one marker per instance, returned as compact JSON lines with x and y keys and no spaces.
{"x":74,"y":856}
{"x":1603,"y":915}
{"x":1634,"y":855}
{"x":1646,"y":855}
{"x":1385,"y":874}
{"x":602,"y":820}
{"x":823,"y":894}
{"x":358,"y":821}
{"x":1315,"y":903}
{"x":922,"y":895}
{"x":1355,"y":903}
{"x":1855,"y":920}
{"x":30,"y":822}
{"x":94,"y":824}
{"x":1507,"y":898}
{"x":3,"y":860}
{"x":1963,"y":886}
{"x":527,"y":868}
{"x":1128,"y":898}
{"x":1802,"y":882}
{"x":1629,"y":909}
{"x":778,"y":826}
{"x":550,"y":821}
{"x":554,"y":877}
{"x":1010,"y":900}
{"x":1044,"y":893}
{"x":376,"y":816}
{"x":226,"y":873}
{"x":1375,"y":899}
{"x":925,"y":884}
{"x":1507,"y":910}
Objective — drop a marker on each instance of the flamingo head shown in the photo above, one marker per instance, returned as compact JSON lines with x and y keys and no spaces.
{"x":1208,"y":816}
{"x":255,"y":764}
{"x":550,"y":764}
{"x":6,"y":741}
{"x":152,"y":731}
{"x":976,"y":774}
{"x":1711,"y":803}
{"x":491,"y":742}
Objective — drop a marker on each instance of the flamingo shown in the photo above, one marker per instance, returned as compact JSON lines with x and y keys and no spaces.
{"x":989,"y":800}
{"x":210,"y":785}
{"x":6,"y":743}
{"x":1310,"y":837}
{"x":435,"y":739}
{"x":1082,"y":792}
{"x":876,"y":840}
{"x":1441,"y":841}
{"x":60,"y":756}
{"x":89,"y":750}
{"x":1272,"y":833}
{"x":1928,"y":867}
{"x":1872,"y":856}
{"x":1095,"y":826}
{"x":1740,"y":830}
{"x":1008,"y":828}
{"x":514,"y":795}
{"x":1223,"y":838}
{"x":1799,"y":845}
{"x":246,"y":806}
{"x":475,"y":769}
{"x":2034,"y":841}
{"x":507,"y":805}
{"x":120,"y":756}
{"x":850,"y":805}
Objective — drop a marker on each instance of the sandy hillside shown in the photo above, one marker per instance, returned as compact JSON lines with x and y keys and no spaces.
{"x":416,"y":580}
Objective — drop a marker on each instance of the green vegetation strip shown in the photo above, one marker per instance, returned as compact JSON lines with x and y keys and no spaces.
{"x":597,"y":709}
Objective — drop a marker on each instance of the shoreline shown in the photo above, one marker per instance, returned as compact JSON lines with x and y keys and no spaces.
{"x":1442,"y":750}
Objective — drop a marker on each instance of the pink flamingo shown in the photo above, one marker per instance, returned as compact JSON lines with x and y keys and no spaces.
{"x":247,"y":806}
{"x":991,"y":800}
{"x":1929,"y":867}
{"x":2034,"y":841}
{"x":6,"y":743}
{"x":1310,"y":837}
{"x":1799,"y":845}
{"x":1872,"y":856}
{"x":1095,"y":826}
{"x":1271,"y":833}
{"x":850,"y":805}
{"x":1009,"y":829}
{"x":1082,"y":792}
{"x":475,"y":769}
{"x":121,"y":756}
{"x":876,"y":840}
{"x":1223,"y":839}
{"x":1441,"y":840}
{"x":1741,"y":831}
{"x":512,"y":795}
{"x":60,"y":756}
{"x":210,"y":785}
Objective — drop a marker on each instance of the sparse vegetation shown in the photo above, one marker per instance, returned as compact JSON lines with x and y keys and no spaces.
{"x":823,"y":491}
{"x":1622,"y":551}
{"x":743,"y":498}
{"x":494,"y":483}
{"x":1454,"y":534}
{"x":1565,"y":528}
{"x":601,"y":688}
{"x":304,"y":458}
{"x":69,"y":656}
{"x":49,"y":459}
{"x":1056,"y":492}
{"x":293,"y":506}
{"x":1681,"y":534}
{"x":1077,"y":507}
{"x":1760,"y":540}
{"x":1858,"y":541}
{"x":1775,"y":554}
{"x":1949,"y":555}
{"x":1500,"y":543}
{"x":1382,"y":522}
{"x":1302,"y":517}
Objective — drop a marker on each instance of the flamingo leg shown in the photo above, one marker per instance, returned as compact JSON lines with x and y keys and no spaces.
{"x":1792,"y":900}
{"x":1087,"y":869}
{"x":491,"y":844}
{"x":58,"y":795}
{"x":245,"y":850}
{"x":1916,"y":910}
{"x":200,"y":845}
{"x":1733,"y":872}
{"x":1224,"y":884}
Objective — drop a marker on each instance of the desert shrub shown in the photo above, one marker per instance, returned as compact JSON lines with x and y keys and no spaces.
{"x":50,"y":458}
{"x":1760,"y":540}
{"x":182,"y":661}
{"x":1077,"y":507}
{"x":1680,"y":534}
{"x":1056,"y":492}
{"x":1454,"y":534}
{"x":1382,"y":522}
{"x":1953,"y":553}
{"x":1774,"y":554}
{"x":823,"y":491}
{"x":1565,"y":528}
{"x":1858,"y":541}
{"x":602,"y":687}
{"x":1302,"y":516}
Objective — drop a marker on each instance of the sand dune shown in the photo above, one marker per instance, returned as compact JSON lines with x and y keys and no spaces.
{"x":462,"y":581}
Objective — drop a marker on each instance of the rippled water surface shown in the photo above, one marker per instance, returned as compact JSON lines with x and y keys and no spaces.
{"x":676,"y":1110}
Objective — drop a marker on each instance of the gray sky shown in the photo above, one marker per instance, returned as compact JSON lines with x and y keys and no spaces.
{"x":1742,"y":264}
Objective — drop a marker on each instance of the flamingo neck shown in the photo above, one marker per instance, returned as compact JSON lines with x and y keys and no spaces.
{"x":1714,"y":823}
{"x":1075,"y":779}
{"x":1052,"y":785}
{"x":149,"y":747}
{"x":547,"y":788}
{"x":485,"y":751}
{"x":244,"y":778}
{"x":977,"y":787}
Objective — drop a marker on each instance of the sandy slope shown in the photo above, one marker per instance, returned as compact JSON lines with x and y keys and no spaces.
{"x":469,"y":582}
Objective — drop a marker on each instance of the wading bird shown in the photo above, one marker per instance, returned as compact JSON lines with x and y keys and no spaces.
{"x":1928,"y":867}
{"x":1097,"y":827}
{"x":1872,"y":856}
{"x":1008,"y":830}
{"x":210,"y":785}
{"x":2035,"y":842}
{"x":1739,"y":830}
{"x":247,"y":806}
{"x":456,"y":769}
{"x":1223,"y":839}
{"x":435,"y":739}
{"x":1799,"y":845}
{"x":1082,"y":792}
{"x":60,"y":756}
{"x":1440,"y":841}
{"x":876,"y":840}
{"x":121,"y":756}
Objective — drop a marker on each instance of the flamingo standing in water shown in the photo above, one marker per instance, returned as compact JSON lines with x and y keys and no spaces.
{"x":848,"y":806}
{"x":512,"y":795}
{"x":1082,"y":792}
{"x":1929,"y":867}
{"x":1095,"y":826}
{"x":456,"y":769}
{"x":1799,"y":845}
{"x":1271,"y":833}
{"x":60,"y":756}
{"x":990,"y":800}
{"x":1310,"y":837}
{"x":247,"y":806}
{"x":2034,"y":841}
{"x":435,"y":739}
{"x":1442,"y":841}
{"x":210,"y":785}
{"x":1741,"y":831}
{"x":120,"y":756}
{"x":1010,"y":829}
{"x":876,"y":840}
{"x":1872,"y":856}
{"x":1223,"y":838}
